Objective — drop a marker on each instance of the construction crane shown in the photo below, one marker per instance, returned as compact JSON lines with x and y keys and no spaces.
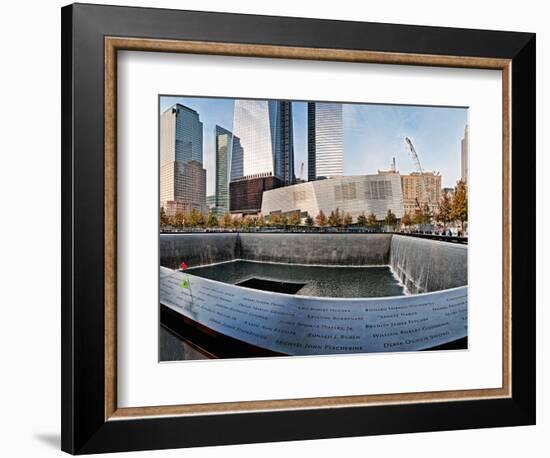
{"x":393,"y":167}
{"x":416,"y":161}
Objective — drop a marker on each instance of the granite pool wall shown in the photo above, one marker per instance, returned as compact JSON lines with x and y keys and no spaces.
{"x":422,"y":265}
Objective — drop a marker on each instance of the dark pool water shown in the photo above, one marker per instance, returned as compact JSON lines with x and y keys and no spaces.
{"x":319,"y":281}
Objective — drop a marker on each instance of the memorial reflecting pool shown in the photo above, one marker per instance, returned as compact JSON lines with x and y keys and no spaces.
{"x":315,"y":281}
{"x":286,"y":294}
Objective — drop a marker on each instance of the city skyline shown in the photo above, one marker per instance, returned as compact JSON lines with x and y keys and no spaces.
{"x":372,"y":135}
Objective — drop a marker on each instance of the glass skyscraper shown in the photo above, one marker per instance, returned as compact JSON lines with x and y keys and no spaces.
{"x":224,"y":140}
{"x":182,"y":176}
{"x":263,"y":143}
{"x":325,"y":140}
{"x":285,"y":145}
{"x":262,"y":153}
{"x":181,"y":135}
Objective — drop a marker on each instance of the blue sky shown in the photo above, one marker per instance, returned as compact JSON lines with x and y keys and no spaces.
{"x":373,"y":135}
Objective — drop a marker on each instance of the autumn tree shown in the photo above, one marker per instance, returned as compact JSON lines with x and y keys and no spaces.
{"x":417,"y":217}
{"x":194,"y":219}
{"x":164,"y":220}
{"x":335,"y":218}
{"x":372,"y":222}
{"x":445,"y":210}
{"x":227,"y":221}
{"x":212,"y":220}
{"x":201,"y":219}
{"x":260,"y":221}
{"x":249,"y":221}
{"x":294,"y":219}
{"x":347,"y":220}
{"x":391,"y":219}
{"x":177,"y":220}
{"x":274,"y":219}
{"x":362,"y":220}
{"x":427,"y":214}
{"x":321,"y":219}
{"x":406,"y":220}
{"x":460,"y":204}
{"x":238,"y":222}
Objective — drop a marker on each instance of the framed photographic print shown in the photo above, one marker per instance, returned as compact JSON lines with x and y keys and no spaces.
{"x":284,"y":228}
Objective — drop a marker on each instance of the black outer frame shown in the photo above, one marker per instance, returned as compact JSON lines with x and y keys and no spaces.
{"x":84,"y":429}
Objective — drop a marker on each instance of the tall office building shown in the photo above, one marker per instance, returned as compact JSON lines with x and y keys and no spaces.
{"x":464,"y":150}
{"x":325,"y":140}
{"x":224,"y":140}
{"x":182,"y":177}
{"x":262,"y":156}
{"x":285,"y":139}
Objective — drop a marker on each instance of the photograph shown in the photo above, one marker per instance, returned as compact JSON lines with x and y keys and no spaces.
{"x":309,"y":228}
{"x":283,"y":226}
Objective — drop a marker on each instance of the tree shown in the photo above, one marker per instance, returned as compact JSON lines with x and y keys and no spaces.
{"x":418,"y":217}
{"x":164,"y":220}
{"x":227,"y":221}
{"x":362,"y":220}
{"x":391,"y":219}
{"x":249,"y":221}
{"x":212,"y":220}
{"x":309,"y":221}
{"x":260,"y":222}
{"x":238,"y":222}
{"x":294,"y":219}
{"x":201,"y":219}
{"x":372,"y":221}
{"x":347,"y":220}
{"x":284,"y":220}
{"x":422,"y":215}
{"x":445,"y":210}
{"x":406,"y":220}
{"x":427,"y":214}
{"x":321,"y":219}
{"x":177,"y":220}
{"x":194,"y":219}
{"x":274,"y":219}
{"x":460,"y":204}
{"x":335,"y":218}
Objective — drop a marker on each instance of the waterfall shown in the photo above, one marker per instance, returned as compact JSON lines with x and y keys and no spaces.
{"x":426,"y":265}
{"x":422,"y":265}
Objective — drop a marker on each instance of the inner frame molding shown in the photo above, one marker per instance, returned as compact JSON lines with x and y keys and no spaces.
{"x":114,"y":44}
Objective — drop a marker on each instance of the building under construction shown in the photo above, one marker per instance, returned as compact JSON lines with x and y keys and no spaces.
{"x":421,"y":189}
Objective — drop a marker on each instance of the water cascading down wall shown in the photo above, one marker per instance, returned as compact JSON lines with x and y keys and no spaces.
{"x":252,"y":322}
{"x":422,"y":265}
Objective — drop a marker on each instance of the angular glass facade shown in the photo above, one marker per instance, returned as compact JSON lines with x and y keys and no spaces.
{"x":325,"y":140}
{"x":263,"y":142}
{"x":262,"y":147}
{"x":253,"y":126}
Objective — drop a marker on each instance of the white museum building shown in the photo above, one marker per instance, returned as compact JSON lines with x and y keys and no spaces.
{"x":359,"y":194}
